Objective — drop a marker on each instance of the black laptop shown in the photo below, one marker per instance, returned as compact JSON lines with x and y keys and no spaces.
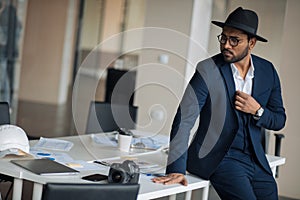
{"x":45,"y":167}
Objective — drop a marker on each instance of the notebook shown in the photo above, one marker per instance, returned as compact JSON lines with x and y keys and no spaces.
{"x":45,"y":167}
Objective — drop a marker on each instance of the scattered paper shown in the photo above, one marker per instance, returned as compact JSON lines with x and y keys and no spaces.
{"x":65,"y":159}
{"x":54,"y":144}
{"x":105,"y":139}
{"x":81,"y":165}
{"x":153,"y":142}
{"x":57,"y":156}
{"x":141,"y":163}
{"x":140,"y":140}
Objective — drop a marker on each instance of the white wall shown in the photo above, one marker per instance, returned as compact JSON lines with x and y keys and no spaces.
{"x":199,"y":35}
{"x":91,"y":35}
{"x":159,"y":86}
{"x":289,"y":71}
{"x":98,"y":26}
{"x":47,"y":55}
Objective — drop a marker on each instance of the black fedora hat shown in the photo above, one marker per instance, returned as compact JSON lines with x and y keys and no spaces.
{"x":242,"y":19}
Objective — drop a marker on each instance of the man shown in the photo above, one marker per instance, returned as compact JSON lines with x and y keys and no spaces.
{"x":231,"y":157}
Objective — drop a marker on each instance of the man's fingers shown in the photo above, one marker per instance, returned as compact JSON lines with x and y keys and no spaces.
{"x":171,"y":179}
{"x":241,"y":94}
{"x":240,"y":99}
{"x":176,"y":180}
{"x":184,"y":182}
{"x":161,"y":179}
{"x":238,"y":103}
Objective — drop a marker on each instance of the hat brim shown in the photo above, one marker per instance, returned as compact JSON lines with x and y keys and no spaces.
{"x":222,"y":24}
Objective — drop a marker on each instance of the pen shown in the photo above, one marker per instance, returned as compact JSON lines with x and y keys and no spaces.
{"x":143,"y":148}
{"x":43,"y":154}
{"x":50,"y":158}
{"x":155,"y":174}
{"x":101,"y":163}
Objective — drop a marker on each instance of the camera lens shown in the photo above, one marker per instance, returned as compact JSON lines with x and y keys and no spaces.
{"x":117,"y":177}
{"x":127,"y":172}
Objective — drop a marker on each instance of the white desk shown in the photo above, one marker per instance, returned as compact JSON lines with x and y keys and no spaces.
{"x":274,"y":162}
{"x":85,"y":149}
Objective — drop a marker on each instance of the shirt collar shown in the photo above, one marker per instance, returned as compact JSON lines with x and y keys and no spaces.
{"x":250,"y":73}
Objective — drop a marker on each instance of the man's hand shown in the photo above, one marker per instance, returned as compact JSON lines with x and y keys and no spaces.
{"x":171,"y":179}
{"x":246,"y":103}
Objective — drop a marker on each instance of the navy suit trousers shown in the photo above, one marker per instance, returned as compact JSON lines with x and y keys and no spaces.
{"x":240,"y":176}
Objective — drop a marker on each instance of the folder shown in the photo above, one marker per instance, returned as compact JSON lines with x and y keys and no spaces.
{"x":45,"y":167}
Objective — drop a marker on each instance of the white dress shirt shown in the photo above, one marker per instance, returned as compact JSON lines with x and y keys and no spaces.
{"x":244,"y":85}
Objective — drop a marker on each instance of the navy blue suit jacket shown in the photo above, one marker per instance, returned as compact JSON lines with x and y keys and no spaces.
{"x":211,"y":94}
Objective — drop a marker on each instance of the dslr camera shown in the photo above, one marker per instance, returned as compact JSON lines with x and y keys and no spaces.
{"x":126,"y":172}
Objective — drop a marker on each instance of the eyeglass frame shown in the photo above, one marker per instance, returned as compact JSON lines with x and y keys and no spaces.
{"x":230,"y":40}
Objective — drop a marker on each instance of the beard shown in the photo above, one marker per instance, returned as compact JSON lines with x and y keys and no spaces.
{"x":234,"y":58}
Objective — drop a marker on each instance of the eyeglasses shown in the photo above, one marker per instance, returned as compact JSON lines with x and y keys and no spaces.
{"x":233,"y":41}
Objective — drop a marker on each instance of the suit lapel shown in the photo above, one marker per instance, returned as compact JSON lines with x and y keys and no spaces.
{"x":230,"y":85}
{"x":258,"y":79}
{"x":228,"y":79}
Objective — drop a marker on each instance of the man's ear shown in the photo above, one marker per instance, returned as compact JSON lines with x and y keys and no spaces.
{"x":252,"y":43}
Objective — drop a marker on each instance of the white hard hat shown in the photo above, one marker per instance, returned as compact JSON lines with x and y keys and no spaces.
{"x":12,"y":138}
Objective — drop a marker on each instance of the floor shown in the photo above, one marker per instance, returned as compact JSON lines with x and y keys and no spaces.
{"x":54,"y":121}
{"x":44,"y":120}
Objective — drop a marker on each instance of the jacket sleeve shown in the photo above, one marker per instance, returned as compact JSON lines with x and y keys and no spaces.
{"x":189,"y":109}
{"x":274,"y":116}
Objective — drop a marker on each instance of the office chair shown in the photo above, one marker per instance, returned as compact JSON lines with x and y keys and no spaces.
{"x":62,"y":191}
{"x":265,"y":143}
{"x":4,"y":113}
{"x":120,"y":85}
{"x":106,"y":117}
{"x":5,"y":117}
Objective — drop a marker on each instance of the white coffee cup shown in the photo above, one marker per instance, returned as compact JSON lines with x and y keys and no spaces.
{"x":124,"y":142}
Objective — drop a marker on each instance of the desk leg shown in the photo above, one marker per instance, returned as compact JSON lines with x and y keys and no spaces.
{"x":17,"y":189}
{"x":188,"y":195}
{"x":172,"y":197}
{"x":205,"y":192}
{"x":273,"y":171}
{"x":37,"y":191}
